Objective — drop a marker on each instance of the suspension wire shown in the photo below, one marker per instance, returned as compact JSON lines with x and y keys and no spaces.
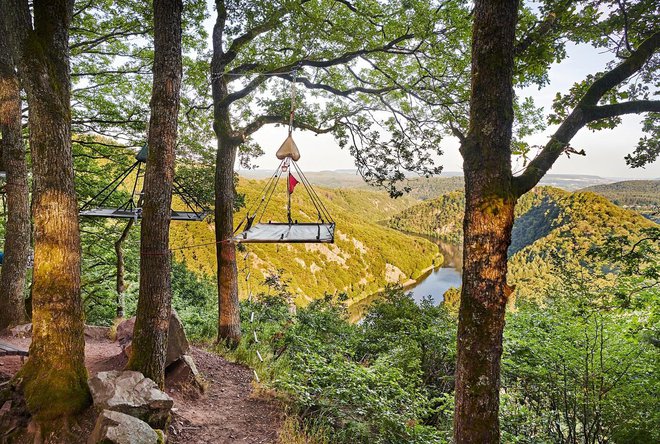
{"x":263,"y":195}
{"x":293,"y":100}
{"x":269,"y":197}
{"x":131,"y":203}
{"x":188,"y":197}
{"x":119,"y":179}
{"x":311,"y":197}
{"x":309,"y":186}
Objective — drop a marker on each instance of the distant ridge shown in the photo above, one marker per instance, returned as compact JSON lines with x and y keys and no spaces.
{"x":429,"y":188}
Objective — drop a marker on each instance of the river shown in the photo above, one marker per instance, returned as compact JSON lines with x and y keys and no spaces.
{"x":433,"y":283}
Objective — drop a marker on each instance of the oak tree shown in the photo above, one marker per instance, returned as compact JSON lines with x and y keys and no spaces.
{"x":17,"y":212}
{"x":364,"y":67}
{"x":154,"y":304}
{"x":501,"y":60}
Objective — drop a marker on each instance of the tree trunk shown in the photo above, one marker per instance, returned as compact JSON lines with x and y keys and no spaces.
{"x":121,"y":282}
{"x":154,"y":304}
{"x":54,"y":379}
{"x":17,"y":229}
{"x":489,"y":209}
{"x":229,"y":321}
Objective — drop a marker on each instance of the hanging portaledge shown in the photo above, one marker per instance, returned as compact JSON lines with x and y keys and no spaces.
{"x":131,"y":208}
{"x":290,"y":231}
{"x":283,"y":232}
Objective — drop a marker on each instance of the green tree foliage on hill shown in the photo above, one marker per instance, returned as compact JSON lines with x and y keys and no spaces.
{"x":441,"y":218}
{"x":579,"y":367}
{"x":549,"y":223}
{"x":585,"y":367}
{"x":642,"y":196}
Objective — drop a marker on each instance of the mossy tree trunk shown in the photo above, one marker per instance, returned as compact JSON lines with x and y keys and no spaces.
{"x":489,"y":208}
{"x":154,"y":304}
{"x":54,"y":379}
{"x":17,"y":229}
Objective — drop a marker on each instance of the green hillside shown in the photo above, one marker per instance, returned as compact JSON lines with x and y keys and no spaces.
{"x":364,"y":257}
{"x":440,"y":218}
{"x":642,"y":196}
{"x":550,"y":224}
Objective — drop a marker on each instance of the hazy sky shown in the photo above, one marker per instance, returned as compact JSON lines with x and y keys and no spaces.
{"x":605,"y":149}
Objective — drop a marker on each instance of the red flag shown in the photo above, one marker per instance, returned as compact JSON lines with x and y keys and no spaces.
{"x":292,"y":183}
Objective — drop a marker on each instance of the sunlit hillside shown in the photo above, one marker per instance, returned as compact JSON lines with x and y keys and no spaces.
{"x":364,"y":258}
{"x":553,"y":228}
{"x":642,"y":196}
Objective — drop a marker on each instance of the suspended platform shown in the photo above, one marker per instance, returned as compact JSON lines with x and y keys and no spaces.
{"x":288,"y":233}
{"x":291,"y":231}
{"x":136,"y":213}
{"x":131,"y":208}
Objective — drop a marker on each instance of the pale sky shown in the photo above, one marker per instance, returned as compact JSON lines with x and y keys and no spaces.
{"x":605,"y":149}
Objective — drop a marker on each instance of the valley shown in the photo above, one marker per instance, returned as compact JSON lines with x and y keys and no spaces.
{"x":382,"y":241}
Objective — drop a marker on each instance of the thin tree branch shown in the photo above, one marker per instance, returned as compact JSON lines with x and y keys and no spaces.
{"x":580,"y":115}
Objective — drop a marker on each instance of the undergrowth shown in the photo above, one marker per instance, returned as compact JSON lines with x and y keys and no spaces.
{"x":385,"y":380}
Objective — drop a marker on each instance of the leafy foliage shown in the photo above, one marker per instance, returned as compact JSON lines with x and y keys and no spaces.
{"x":363,"y":383}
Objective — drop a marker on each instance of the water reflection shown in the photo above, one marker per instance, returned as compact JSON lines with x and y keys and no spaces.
{"x":434,"y":283}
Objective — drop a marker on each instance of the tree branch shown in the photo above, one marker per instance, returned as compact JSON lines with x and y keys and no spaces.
{"x":336,"y":91}
{"x":592,"y":113}
{"x":252,"y":33}
{"x":271,"y":119}
{"x":544,"y":28}
{"x":285,"y":69}
{"x":587,"y":111}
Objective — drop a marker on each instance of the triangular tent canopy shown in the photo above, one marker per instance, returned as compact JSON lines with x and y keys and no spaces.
{"x":288,"y":149}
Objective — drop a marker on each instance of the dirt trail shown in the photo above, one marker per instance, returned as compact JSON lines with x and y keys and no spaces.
{"x":227,"y":413}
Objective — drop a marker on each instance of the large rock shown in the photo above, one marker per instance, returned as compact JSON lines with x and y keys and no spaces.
{"x":124,"y":332}
{"x":177,"y":343}
{"x":183,"y":373}
{"x":118,"y":428}
{"x":131,"y":393}
{"x":96,"y":332}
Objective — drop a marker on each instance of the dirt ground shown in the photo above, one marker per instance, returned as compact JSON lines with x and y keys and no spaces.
{"x":228,"y":412}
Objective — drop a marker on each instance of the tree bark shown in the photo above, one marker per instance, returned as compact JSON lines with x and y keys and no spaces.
{"x":54,"y":379}
{"x":17,"y":229}
{"x":121,"y":282}
{"x":154,"y":304}
{"x":229,"y":322}
{"x":489,"y":208}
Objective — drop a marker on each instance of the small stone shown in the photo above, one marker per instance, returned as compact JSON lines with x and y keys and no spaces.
{"x":21,"y":331}
{"x":118,"y":428}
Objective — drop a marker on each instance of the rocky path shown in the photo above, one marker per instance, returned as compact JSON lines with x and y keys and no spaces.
{"x":227,"y":413}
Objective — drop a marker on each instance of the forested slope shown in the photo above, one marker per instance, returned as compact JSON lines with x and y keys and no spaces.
{"x":642,"y":196}
{"x":553,"y":228}
{"x":364,"y":257}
